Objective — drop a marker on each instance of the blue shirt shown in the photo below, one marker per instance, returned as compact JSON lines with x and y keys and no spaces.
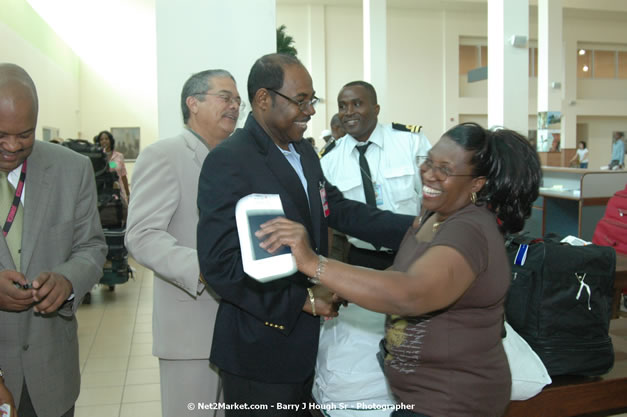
{"x":293,"y":158}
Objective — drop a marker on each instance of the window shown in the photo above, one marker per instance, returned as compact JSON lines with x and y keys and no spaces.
{"x":474,"y":55}
{"x":584,"y":63}
{"x":533,"y":62}
{"x":468,"y":58}
{"x":602,"y":62}
{"x":622,"y":65}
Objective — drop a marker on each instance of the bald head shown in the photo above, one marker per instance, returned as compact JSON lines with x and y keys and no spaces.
{"x":15,"y":83}
{"x":18,"y":116}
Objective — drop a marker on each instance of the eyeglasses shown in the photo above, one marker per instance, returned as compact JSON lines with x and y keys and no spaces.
{"x":441,"y":173}
{"x":227,"y":99}
{"x":302,"y":105}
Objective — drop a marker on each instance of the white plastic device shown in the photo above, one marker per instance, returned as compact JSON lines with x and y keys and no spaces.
{"x":250,"y":212}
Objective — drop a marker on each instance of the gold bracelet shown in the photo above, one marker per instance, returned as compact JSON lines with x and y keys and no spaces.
{"x":322,"y":262}
{"x":312,"y":300}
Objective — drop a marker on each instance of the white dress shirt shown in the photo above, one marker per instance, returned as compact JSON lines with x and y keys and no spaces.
{"x":392,"y":161}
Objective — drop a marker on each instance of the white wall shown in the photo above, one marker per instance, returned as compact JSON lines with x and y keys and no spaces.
{"x":187,"y":42}
{"x":415,"y":70}
{"x":57,"y":84}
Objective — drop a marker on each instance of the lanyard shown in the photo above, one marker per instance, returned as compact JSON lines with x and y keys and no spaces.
{"x":16,"y":201}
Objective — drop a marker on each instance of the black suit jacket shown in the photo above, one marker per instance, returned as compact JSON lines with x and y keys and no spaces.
{"x":261,"y":332}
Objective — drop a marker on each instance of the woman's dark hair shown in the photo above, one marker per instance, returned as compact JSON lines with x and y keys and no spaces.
{"x":583,"y":143}
{"x":511,"y":167}
{"x":109,"y":135}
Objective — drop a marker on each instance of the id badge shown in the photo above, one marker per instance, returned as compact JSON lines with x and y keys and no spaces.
{"x":323,"y":198}
{"x":378,"y":193}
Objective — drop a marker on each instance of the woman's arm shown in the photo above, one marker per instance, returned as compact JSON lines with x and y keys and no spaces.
{"x":434,"y":281}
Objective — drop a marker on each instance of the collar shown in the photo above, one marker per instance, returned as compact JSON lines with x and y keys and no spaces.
{"x":376,"y":137}
{"x":200,"y":138}
{"x":292,"y":150}
{"x":14,"y":175}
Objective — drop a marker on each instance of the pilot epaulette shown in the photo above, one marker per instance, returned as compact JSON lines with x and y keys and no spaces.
{"x":327,"y":148}
{"x":406,"y":128}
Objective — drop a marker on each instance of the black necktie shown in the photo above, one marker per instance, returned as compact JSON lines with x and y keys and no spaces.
{"x":366,"y":178}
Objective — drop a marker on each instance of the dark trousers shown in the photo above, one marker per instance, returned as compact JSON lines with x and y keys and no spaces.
{"x":25,"y":407}
{"x":271,"y":399}
{"x":370,"y":258}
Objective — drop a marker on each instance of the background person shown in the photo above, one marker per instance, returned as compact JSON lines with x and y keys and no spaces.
{"x":618,"y":151}
{"x":161,"y":235}
{"x":337,"y":132}
{"x":54,"y":243}
{"x":581,"y":155}
{"x":445,"y":293}
{"x":381,"y":160}
{"x":266,"y":335}
{"x":116,"y":162}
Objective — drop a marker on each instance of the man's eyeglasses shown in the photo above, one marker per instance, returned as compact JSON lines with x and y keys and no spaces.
{"x":227,"y":99}
{"x":439,"y":172}
{"x":302,"y":105}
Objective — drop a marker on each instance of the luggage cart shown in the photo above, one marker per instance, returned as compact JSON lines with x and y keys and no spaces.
{"x":116,"y":269}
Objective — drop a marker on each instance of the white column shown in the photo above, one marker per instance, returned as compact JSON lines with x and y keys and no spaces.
{"x":193,"y":36}
{"x":375,"y":49}
{"x":318,"y":66}
{"x":508,"y":64}
{"x":550,"y":61}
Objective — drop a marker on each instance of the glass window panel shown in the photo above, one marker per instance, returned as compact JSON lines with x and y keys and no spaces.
{"x":604,"y":64}
{"x":484,"y":56}
{"x":467,"y":58}
{"x":622,"y":65}
{"x":584,"y":63}
{"x":533,"y":62}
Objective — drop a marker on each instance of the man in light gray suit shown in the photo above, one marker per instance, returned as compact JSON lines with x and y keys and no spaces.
{"x":51,"y":255}
{"x":161,"y":235}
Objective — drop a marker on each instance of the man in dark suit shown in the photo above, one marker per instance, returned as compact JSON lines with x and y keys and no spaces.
{"x":266,"y":335}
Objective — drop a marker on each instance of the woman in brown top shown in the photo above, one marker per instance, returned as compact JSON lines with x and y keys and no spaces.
{"x":444,"y":295}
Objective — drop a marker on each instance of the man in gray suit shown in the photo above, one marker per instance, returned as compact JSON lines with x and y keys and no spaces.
{"x":161,"y":235}
{"x":51,"y":254}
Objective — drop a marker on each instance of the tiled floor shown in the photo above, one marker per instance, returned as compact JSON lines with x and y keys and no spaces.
{"x":120,"y":377}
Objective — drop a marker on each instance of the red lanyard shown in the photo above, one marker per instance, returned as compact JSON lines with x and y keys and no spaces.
{"x":16,"y":201}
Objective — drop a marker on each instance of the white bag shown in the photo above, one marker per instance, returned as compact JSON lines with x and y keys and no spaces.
{"x":347,"y":371}
{"x":529,"y":374}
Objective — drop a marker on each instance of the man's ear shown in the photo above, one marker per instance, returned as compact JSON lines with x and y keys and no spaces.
{"x":192,"y":104}
{"x":263,"y":99}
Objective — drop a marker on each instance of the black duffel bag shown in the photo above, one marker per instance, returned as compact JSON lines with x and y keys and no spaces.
{"x":560,"y":302}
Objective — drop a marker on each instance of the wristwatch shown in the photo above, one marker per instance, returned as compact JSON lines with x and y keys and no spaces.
{"x":1,"y":374}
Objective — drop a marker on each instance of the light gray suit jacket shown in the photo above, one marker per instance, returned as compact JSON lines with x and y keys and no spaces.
{"x":61,"y":233}
{"x":161,"y":235}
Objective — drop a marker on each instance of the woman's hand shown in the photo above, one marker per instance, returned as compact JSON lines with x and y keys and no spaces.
{"x":7,"y":398}
{"x":283,"y":232}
